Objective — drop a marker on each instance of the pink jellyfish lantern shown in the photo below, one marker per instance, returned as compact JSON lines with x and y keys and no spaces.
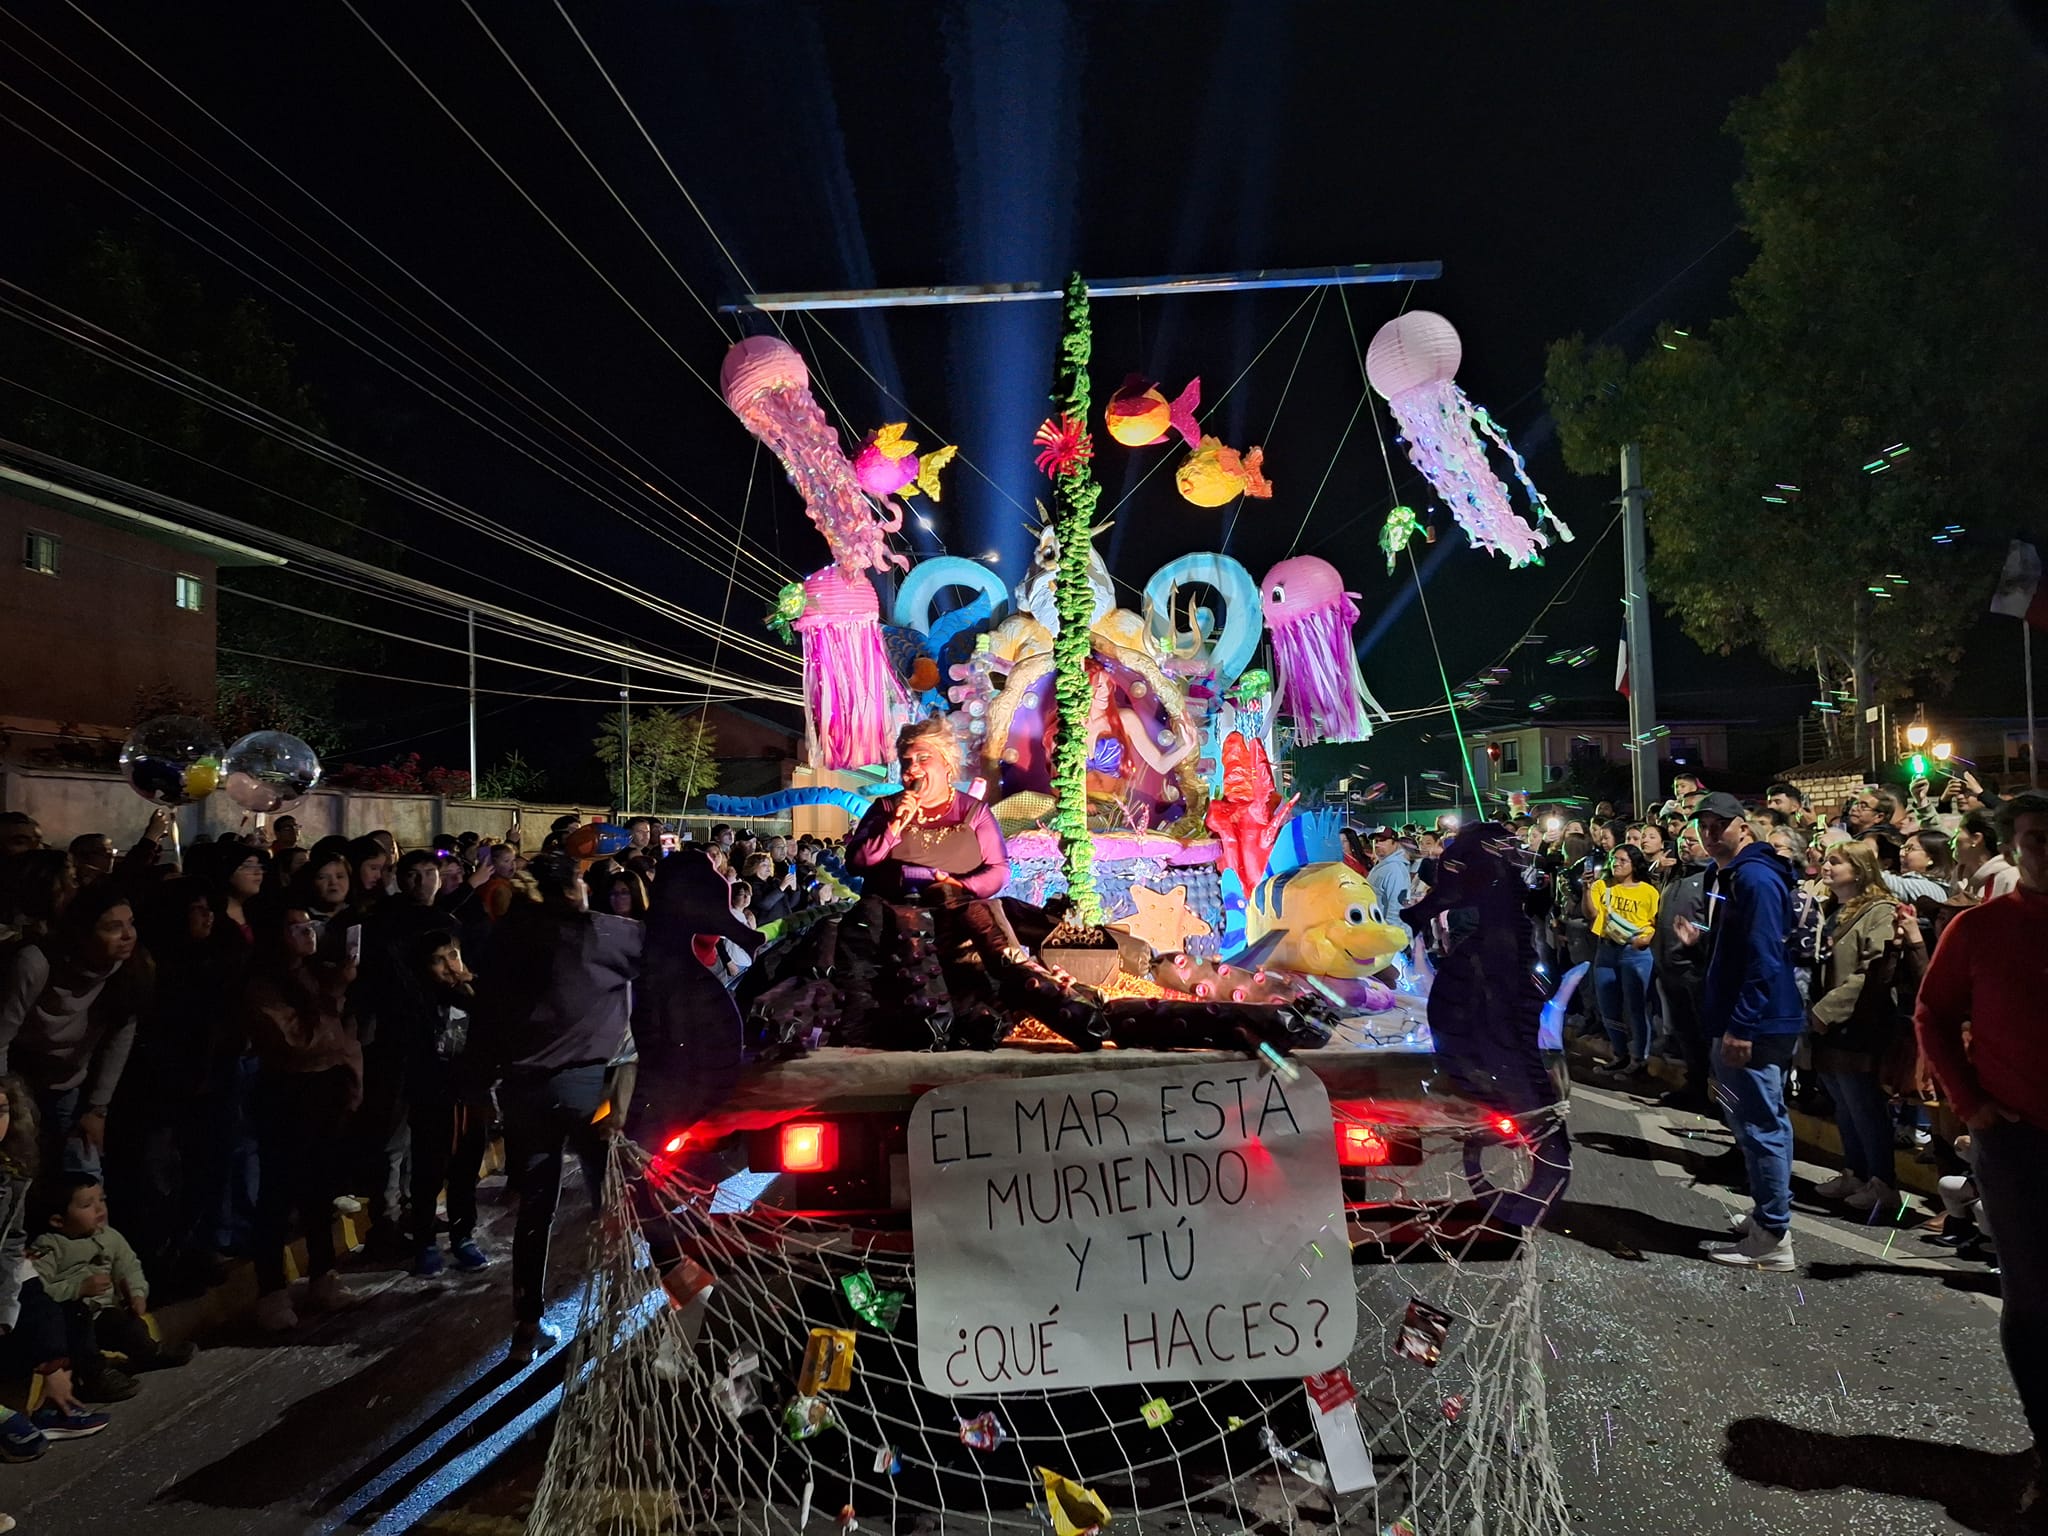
{"x":1315,"y":666}
{"x":765,"y":382}
{"x":1410,"y":362}
{"x":852,"y":700}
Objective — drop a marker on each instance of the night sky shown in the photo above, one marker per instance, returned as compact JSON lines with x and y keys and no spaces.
{"x":1566,"y":163}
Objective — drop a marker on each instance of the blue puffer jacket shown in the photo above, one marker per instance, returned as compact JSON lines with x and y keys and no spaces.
{"x":1751,"y":989}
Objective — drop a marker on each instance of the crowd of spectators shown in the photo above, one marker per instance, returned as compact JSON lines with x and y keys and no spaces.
{"x":233,"y":1047}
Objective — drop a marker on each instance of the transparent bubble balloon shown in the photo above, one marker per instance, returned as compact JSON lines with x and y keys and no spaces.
{"x":268,"y":770}
{"x":172,"y":760}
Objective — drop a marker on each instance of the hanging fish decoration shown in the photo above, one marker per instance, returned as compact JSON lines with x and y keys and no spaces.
{"x":1215,"y":476}
{"x":1140,"y":416}
{"x":889,"y":464}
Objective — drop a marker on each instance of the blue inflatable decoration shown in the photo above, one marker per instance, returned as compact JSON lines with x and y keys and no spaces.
{"x":931,"y":577}
{"x":1310,"y":837}
{"x":1243,"y":619}
{"x":960,"y":621}
{"x":852,"y":801}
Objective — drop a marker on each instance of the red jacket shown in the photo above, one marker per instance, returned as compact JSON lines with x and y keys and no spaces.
{"x":1990,"y":970}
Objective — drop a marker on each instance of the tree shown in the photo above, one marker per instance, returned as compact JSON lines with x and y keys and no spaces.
{"x":671,"y":754}
{"x":513,"y":778}
{"x":1878,"y":379}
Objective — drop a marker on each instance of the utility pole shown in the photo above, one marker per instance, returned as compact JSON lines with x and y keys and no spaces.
{"x":474,"y":778}
{"x":1635,"y":603}
{"x":625,"y":741}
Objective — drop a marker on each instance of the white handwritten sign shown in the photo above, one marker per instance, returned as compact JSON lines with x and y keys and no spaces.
{"x":1180,"y":1223}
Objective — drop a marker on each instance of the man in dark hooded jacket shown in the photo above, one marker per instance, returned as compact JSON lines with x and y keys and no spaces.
{"x":1751,"y":1003}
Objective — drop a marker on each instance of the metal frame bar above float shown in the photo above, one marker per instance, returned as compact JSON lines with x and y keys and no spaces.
{"x":1104,"y":288}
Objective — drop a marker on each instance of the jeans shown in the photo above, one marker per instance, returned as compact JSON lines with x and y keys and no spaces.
{"x":1621,"y":979}
{"x":449,"y":1129}
{"x":301,"y":1130}
{"x":2010,"y":1156}
{"x":546,"y":1113}
{"x":1754,"y":1096}
{"x":1864,"y":1116}
{"x":58,"y":1111}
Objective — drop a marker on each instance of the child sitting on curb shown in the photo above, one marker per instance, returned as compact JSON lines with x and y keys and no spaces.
{"x":89,"y":1270}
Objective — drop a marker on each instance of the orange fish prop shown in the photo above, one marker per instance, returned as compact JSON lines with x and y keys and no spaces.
{"x":1140,"y":416}
{"x":1215,"y":476}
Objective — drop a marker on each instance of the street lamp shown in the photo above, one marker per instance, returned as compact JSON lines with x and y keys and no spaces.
{"x":1942,"y":751}
{"x":1917,"y":734}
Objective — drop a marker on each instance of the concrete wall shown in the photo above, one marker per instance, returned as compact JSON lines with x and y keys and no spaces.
{"x":68,"y":802}
{"x":79,"y":645}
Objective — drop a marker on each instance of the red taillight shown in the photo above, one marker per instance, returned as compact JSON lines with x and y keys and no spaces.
{"x":1363,"y":1146}
{"x":1506,"y":1127}
{"x":810,"y":1146}
{"x":677,"y":1142}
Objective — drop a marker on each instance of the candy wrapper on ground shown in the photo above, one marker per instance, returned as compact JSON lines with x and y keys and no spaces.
{"x":828,"y":1362}
{"x":1076,"y":1511}
{"x":1422,"y":1335}
{"x":873,"y":1305}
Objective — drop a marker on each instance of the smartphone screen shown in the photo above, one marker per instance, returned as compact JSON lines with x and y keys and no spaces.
{"x":353,"y":943}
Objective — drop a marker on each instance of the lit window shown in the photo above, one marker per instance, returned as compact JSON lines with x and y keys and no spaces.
{"x":39,"y":553}
{"x":1511,"y":755}
{"x":191,"y":593}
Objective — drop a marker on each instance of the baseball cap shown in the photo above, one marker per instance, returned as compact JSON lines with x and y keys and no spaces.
{"x":1720,"y":804}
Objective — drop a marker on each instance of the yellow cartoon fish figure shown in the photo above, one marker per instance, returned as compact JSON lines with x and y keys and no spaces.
{"x":1320,"y":920}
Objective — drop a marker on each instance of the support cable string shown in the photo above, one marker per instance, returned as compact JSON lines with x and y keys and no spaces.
{"x":362,"y":280}
{"x":300,"y":566}
{"x":416,"y":682}
{"x":270,"y":423}
{"x":528,"y":448}
{"x":1308,"y":333}
{"x":298,"y":549}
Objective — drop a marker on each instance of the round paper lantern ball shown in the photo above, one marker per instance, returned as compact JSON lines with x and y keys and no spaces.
{"x":1299,"y":586}
{"x":268,"y":770}
{"x":1420,"y":347}
{"x":172,"y":760}
{"x":831,"y":596}
{"x":758,"y":365}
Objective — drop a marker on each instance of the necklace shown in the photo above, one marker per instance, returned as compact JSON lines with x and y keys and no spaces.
{"x":926,"y":815}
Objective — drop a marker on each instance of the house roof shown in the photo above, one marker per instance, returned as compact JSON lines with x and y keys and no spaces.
{"x":148,"y":525}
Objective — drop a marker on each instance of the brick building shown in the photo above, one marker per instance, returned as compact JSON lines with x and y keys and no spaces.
{"x":100,"y":605}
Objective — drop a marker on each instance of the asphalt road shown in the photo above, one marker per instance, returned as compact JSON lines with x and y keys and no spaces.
{"x":1863,"y":1392}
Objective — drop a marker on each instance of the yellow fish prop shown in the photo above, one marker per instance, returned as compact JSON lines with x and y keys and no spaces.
{"x":1320,"y":920}
{"x":1215,"y":476}
{"x":888,"y":464}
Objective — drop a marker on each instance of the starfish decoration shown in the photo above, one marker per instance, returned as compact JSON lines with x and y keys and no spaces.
{"x":1163,"y":919}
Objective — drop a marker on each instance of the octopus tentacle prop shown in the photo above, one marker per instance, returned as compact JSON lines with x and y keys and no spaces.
{"x":1410,"y":363}
{"x":1318,"y":681}
{"x":852,"y":699}
{"x":765,"y":382}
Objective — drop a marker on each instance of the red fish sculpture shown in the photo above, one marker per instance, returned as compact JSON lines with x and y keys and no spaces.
{"x":1140,"y":416}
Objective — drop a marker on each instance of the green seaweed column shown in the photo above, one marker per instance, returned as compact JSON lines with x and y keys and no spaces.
{"x":1075,"y":494}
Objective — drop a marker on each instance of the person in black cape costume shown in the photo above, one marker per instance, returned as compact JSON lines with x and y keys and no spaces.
{"x":1486,"y":1006}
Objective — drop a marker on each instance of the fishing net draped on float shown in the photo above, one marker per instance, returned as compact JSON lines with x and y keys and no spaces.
{"x":789,"y":1395}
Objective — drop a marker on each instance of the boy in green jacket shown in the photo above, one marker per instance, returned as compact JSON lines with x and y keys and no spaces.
{"x":89,"y":1270}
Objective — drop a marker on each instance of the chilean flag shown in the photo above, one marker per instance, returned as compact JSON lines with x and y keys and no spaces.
{"x":1621,"y":667}
{"x":2020,"y":594}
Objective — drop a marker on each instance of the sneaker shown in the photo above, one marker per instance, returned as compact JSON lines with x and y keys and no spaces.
{"x":1758,"y":1249}
{"x":469,"y":1258}
{"x":168,"y":1357}
{"x":429,"y":1262}
{"x":274,"y":1312}
{"x":1874,"y":1196}
{"x":1840,"y":1187}
{"x":111,"y":1385}
{"x":1741,"y":1222}
{"x":56,"y":1424}
{"x":528,"y":1340}
{"x":20,"y":1440}
{"x":326,"y":1293}
{"x":348,"y":1205}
